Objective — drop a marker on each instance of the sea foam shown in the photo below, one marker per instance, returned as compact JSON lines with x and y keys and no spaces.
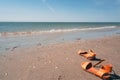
{"x":5,"y":34}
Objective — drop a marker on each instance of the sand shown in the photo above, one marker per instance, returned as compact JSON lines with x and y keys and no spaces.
{"x":58,"y":61}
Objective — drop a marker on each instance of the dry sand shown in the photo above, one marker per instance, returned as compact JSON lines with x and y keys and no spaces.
{"x":58,"y":61}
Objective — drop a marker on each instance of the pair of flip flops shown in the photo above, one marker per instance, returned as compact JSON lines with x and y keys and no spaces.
{"x":102,"y":72}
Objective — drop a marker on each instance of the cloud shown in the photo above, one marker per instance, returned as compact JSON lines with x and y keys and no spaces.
{"x":49,"y":6}
{"x":99,"y":2}
{"x":118,"y":1}
{"x":44,"y":0}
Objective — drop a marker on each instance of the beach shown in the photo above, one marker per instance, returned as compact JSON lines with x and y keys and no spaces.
{"x":59,"y":61}
{"x":59,"y":39}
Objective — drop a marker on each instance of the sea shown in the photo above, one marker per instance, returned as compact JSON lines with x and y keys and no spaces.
{"x":26,"y":34}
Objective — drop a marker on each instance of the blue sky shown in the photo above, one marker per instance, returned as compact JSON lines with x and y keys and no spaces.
{"x":60,"y":10}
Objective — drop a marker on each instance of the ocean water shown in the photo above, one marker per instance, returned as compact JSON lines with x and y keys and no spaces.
{"x":26,"y":34}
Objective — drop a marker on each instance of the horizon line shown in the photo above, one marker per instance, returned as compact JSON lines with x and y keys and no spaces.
{"x":67,"y":21}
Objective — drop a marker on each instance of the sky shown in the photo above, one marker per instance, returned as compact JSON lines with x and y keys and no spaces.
{"x":60,"y":10}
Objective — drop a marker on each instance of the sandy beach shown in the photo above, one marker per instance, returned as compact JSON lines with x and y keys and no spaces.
{"x":58,"y":61}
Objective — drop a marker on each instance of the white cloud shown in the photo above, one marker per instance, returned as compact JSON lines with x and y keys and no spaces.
{"x":118,"y":1}
{"x":49,"y":6}
{"x":44,"y":0}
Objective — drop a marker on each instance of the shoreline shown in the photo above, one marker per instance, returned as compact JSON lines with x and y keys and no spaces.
{"x":58,"y":61}
{"x":10,"y":44}
{"x":39,"y":44}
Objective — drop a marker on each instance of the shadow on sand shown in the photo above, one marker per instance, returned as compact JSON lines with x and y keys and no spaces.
{"x":114,"y":76}
{"x":96,"y":59}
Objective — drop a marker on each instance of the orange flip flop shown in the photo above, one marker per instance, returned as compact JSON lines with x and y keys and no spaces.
{"x":103,"y":72}
{"x":89,"y":55}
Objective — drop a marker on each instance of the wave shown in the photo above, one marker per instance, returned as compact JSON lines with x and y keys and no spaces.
{"x":53,"y":31}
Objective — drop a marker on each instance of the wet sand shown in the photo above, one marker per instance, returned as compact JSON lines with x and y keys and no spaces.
{"x":58,"y":61}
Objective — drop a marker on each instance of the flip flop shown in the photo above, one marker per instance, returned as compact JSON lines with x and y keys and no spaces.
{"x":103,"y":72}
{"x":89,"y":55}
